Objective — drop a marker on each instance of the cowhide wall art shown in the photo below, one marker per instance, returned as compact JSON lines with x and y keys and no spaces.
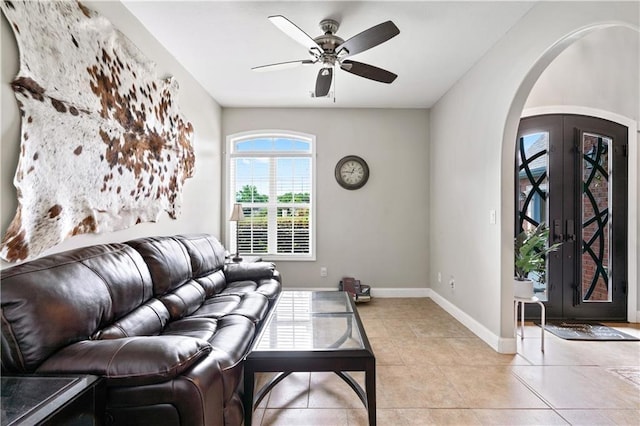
{"x":103,"y":146}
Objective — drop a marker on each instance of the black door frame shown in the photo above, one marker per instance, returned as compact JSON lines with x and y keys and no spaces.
{"x":563,"y":300}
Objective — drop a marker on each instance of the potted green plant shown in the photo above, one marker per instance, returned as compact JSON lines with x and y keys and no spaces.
{"x":531,"y":249}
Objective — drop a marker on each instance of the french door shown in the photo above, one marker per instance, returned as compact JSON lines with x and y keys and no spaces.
{"x":572,"y":175}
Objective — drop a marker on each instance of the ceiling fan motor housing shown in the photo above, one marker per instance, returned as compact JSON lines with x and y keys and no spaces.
{"x":328,"y":42}
{"x":329,"y":26}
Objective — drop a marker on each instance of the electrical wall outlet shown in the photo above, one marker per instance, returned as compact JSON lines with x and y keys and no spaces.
{"x":439,"y":277}
{"x":323,"y":271}
{"x":452,"y":282}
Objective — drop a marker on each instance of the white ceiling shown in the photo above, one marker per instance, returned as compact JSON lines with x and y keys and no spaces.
{"x":218,"y":43}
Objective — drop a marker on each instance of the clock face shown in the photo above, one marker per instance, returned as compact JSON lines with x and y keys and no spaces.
{"x":352,"y":172}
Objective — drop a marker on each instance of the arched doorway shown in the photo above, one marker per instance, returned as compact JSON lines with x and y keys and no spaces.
{"x":508,"y":164}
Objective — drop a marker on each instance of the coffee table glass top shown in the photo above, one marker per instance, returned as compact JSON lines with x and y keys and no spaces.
{"x":311,"y":321}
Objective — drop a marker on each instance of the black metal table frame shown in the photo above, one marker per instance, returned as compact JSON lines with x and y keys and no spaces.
{"x":338,"y":361}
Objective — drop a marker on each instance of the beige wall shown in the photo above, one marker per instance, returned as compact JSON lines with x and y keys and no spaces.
{"x":201,"y":197}
{"x":360,"y":233}
{"x":598,"y":71}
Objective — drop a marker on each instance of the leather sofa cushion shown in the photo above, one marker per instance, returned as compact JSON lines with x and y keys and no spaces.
{"x":230,"y":345}
{"x":249,"y":271}
{"x":217,"y":307}
{"x":240,"y":287}
{"x":66,"y":297}
{"x":168,"y":262}
{"x":129,"y":361}
{"x":146,"y":320}
{"x":184,"y":300}
{"x":213,"y":283}
{"x":270,"y":287}
{"x":199,"y":328}
{"x":206,"y":252}
{"x":251,"y":305}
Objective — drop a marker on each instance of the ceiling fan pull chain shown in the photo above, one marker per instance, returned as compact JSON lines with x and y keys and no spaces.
{"x":335,"y":83}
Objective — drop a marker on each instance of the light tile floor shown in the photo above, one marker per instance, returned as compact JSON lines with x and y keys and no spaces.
{"x":431,"y":370}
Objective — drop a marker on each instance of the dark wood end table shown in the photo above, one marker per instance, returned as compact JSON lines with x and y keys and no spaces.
{"x":52,"y":400}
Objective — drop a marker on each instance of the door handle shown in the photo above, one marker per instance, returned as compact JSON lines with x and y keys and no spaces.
{"x":570,"y":231}
{"x":557,"y":231}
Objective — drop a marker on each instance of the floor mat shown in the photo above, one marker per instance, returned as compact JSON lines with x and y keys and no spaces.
{"x":586,"y":331}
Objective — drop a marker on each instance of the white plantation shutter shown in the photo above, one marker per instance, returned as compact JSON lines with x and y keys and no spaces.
{"x":272,"y":176}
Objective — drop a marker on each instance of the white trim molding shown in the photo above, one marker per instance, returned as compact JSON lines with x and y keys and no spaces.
{"x":383,"y":293}
{"x":499,"y":344}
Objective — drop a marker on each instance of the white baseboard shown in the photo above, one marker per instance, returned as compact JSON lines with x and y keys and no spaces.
{"x":383,"y":293}
{"x":507,"y":345}
{"x":310,"y":288}
{"x":499,"y":344}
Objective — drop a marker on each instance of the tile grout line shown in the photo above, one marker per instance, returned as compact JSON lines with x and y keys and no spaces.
{"x":535,"y":392}
{"x":309,"y":390}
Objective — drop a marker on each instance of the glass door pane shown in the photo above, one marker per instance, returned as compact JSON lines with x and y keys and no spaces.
{"x":596,"y":218}
{"x":533,"y":165}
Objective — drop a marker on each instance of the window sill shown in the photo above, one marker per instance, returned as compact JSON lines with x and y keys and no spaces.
{"x":286,"y":258}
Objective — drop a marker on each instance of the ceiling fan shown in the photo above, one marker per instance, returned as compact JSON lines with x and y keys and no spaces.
{"x":330,"y":50}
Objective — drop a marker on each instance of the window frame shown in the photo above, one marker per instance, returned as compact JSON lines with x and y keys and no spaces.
{"x":229,"y":193}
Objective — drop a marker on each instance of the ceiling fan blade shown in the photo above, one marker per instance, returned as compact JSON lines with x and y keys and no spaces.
{"x":293,"y":31}
{"x":369,"y":38}
{"x":323,"y":82}
{"x":283,"y":65}
{"x":368,"y":71}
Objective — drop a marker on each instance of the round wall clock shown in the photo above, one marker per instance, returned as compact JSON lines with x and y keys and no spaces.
{"x":352,"y":172}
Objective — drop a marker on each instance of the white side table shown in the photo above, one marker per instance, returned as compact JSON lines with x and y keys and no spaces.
{"x":522,"y":301}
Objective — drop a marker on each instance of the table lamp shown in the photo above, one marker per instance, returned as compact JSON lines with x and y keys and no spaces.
{"x":236,"y":216}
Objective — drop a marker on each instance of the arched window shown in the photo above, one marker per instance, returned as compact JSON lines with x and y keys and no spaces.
{"x":271,"y":174}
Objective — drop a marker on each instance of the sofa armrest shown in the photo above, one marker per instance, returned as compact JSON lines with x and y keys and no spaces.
{"x":129,"y":361}
{"x":249,"y":271}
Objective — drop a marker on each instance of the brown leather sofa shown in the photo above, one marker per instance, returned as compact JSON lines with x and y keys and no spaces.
{"x":164,"y":319}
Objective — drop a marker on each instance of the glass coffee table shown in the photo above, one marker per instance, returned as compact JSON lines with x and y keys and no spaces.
{"x":311,"y":331}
